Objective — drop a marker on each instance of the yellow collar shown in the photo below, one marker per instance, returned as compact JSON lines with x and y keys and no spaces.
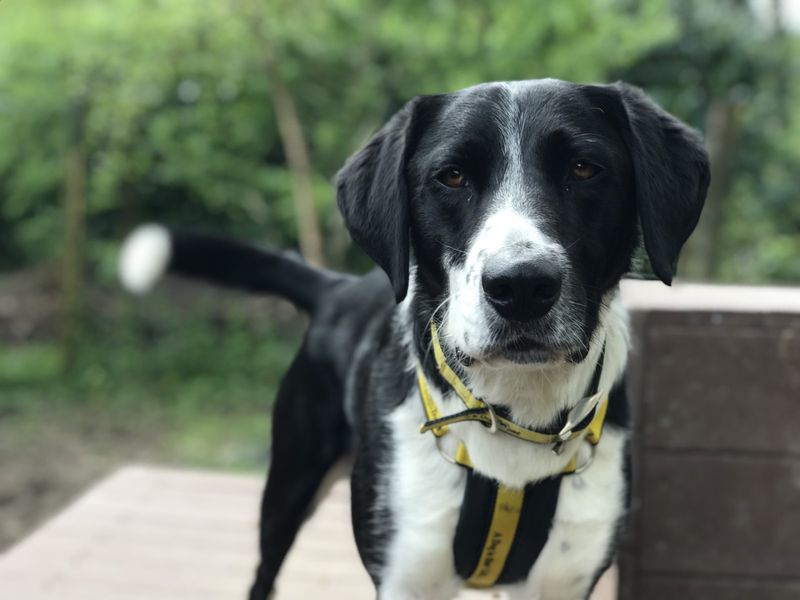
{"x":478,"y":410}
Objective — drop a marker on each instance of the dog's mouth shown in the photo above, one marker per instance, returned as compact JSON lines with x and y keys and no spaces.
{"x":526,"y":351}
{"x":519,"y":351}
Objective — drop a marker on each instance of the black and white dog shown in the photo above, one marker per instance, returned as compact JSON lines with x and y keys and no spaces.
{"x":504,"y":215}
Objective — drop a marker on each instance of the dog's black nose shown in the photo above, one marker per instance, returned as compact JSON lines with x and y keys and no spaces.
{"x":523,"y":290}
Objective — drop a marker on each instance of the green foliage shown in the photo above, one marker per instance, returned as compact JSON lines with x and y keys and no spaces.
{"x":197,"y":389}
{"x":762,"y":228}
{"x":33,"y":363}
{"x":190,"y":356}
{"x":179,"y":125}
{"x":723,"y":53}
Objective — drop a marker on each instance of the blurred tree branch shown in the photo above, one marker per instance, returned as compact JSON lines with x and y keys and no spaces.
{"x":74,"y":210}
{"x":290,"y":130}
{"x":294,"y":146}
{"x":722,"y":132}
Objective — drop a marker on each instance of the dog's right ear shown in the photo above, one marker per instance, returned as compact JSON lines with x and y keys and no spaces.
{"x":372,"y":194}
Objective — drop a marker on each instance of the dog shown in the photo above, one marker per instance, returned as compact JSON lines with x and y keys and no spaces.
{"x":482,"y":382}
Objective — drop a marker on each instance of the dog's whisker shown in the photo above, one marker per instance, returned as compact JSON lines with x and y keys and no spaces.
{"x":453,"y":249}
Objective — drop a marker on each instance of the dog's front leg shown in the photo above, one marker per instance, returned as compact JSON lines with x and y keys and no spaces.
{"x":424,"y":495}
{"x":586,"y":523}
{"x":572,"y":578}
{"x":425,"y":572}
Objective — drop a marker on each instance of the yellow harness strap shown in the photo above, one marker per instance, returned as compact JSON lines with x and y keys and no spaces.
{"x":450,"y":375}
{"x":509,"y":501}
{"x":432,"y":412}
{"x":503,"y":527}
{"x":595,"y":428}
{"x":505,"y":519}
{"x":462,"y":456}
{"x":480,"y":411}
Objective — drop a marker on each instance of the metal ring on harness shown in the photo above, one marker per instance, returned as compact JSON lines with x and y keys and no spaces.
{"x":588,"y":462}
{"x":493,"y":426}
{"x":444,"y":454}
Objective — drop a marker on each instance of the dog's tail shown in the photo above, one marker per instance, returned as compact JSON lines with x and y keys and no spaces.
{"x":150,"y":251}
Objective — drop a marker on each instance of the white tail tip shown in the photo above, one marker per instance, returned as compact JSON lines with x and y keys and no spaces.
{"x":144,"y":257}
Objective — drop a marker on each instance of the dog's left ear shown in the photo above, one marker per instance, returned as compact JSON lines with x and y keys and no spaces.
{"x":671,"y":175}
{"x":373,"y":196}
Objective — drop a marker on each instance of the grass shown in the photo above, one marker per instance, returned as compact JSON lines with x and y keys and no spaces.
{"x":184,"y":377}
{"x":195,"y":393}
{"x":136,"y":424}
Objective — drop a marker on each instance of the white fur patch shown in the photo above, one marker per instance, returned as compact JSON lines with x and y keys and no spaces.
{"x":467,"y":322}
{"x":144,"y":257}
{"x":589,"y":507}
{"x":425,"y":493}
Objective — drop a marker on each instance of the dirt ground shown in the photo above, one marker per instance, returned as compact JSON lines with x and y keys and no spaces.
{"x":48,"y":459}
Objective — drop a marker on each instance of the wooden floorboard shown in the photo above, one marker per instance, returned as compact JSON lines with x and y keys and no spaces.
{"x":169,"y":534}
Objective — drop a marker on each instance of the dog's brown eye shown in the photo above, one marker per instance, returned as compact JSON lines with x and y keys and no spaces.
{"x":583,"y":170}
{"x":452,"y":178}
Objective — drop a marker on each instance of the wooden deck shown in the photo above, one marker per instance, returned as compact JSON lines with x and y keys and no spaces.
{"x":166,"y":534}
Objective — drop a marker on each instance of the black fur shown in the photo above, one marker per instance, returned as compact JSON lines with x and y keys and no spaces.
{"x":244,"y":266}
{"x":352,"y":369}
{"x":671,"y":172}
{"x":372,"y":192}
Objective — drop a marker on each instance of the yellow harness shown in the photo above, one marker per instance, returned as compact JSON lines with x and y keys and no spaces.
{"x":509,"y":501}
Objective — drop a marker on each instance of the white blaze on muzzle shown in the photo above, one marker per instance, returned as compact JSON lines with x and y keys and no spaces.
{"x":507,"y":234}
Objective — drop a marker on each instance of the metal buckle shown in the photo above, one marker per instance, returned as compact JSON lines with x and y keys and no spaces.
{"x":493,"y":426}
{"x":578,"y":413}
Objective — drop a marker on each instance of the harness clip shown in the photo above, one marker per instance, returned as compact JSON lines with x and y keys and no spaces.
{"x":492,"y":427}
{"x":579,"y":412}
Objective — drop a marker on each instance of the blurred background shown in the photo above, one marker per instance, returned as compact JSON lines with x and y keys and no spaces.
{"x":233,"y":116}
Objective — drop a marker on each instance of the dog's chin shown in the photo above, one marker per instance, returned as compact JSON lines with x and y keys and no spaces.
{"x":530,"y":359}
{"x":523,"y":352}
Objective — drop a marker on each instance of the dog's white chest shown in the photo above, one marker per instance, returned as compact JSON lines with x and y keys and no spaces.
{"x":425,"y":493}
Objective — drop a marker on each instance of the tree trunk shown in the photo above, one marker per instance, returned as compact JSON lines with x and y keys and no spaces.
{"x":702,"y":255}
{"x":294,"y":148}
{"x":293,"y":141}
{"x":74,"y":211}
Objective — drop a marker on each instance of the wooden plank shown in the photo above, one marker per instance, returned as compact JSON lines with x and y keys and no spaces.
{"x":168,"y":534}
{"x":713,"y":387}
{"x":660,"y":588}
{"x":143,"y":533}
{"x":720,"y":515}
{"x":694,"y":297}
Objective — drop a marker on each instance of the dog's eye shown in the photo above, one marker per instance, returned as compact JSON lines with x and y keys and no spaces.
{"x":583,"y":170}
{"x":452,"y":178}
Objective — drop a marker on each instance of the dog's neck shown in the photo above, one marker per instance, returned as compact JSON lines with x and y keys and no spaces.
{"x":537,"y":396}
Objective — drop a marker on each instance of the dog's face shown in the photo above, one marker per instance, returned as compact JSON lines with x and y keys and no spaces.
{"x":518,"y":205}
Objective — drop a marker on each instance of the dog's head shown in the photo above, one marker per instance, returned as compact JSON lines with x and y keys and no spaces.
{"x":517,"y":207}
